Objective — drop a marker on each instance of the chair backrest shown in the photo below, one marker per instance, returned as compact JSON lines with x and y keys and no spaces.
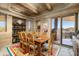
{"x":50,"y":43}
{"x":24,"y":36}
{"x":20,"y":35}
{"x":30,"y":38}
{"x":33,"y":33}
{"x":53,"y":35}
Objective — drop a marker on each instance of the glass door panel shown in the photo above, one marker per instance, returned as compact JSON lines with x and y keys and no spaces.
{"x":68,"y":27}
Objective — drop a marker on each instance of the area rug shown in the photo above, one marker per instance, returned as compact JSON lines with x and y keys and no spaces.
{"x":14,"y":50}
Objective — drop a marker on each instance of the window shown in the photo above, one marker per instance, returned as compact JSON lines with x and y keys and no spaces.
{"x":53,"y":20}
{"x":29,"y":25}
{"x":2,"y":23}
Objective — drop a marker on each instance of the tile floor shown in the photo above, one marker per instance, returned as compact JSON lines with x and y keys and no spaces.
{"x":66,"y":51}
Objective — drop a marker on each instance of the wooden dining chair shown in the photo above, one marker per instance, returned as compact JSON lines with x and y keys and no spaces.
{"x":32,"y":45}
{"x":50,"y":44}
{"x":23,"y":42}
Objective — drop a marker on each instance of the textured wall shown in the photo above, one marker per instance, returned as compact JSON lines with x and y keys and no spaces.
{"x":6,"y":37}
{"x":47,"y":21}
{"x":32,"y":25}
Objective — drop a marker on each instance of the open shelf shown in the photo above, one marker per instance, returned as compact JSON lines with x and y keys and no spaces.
{"x":16,"y":27}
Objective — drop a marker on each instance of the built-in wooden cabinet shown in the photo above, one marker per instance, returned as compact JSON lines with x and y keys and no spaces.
{"x":18,"y":25}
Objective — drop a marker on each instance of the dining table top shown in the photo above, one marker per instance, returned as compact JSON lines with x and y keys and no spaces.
{"x":41,"y":39}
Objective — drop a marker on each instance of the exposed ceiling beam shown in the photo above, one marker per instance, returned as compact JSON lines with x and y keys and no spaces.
{"x":48,"y":6}
{"x":30,"y":7}
{"x":13,"y":13}
{"x":53,"y":12}
{"x":18,"y":8}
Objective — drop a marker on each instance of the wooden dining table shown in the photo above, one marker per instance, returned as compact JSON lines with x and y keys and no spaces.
{"x":39,"y":42}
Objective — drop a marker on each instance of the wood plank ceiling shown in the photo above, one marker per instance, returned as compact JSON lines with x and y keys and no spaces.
{"x":35,"y":9}
{"x":32,"y":9}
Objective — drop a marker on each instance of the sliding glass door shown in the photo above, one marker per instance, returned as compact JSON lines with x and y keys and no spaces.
{"x":65,"y":26}
{"x":68,"y":27}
